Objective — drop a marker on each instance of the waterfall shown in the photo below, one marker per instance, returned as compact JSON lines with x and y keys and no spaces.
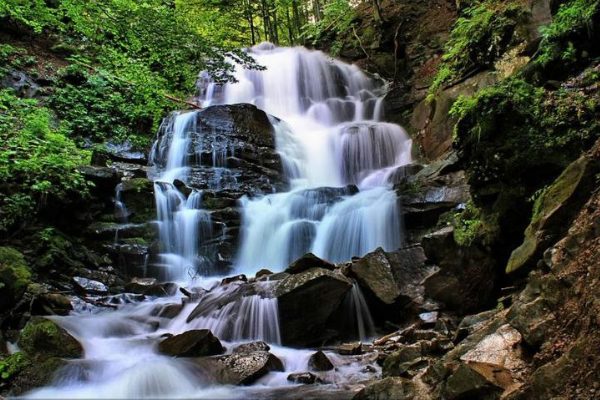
{"x":330,"y":136}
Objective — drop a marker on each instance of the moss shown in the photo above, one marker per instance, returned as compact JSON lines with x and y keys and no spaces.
{"x":522,"y":135}
{"x":44,"y":337}
{"x":135,"y":240}
{"x":466,"y":225}
{"x":13,"y":365}
{"x":14,"y":276}
{"x":480,"y":36}
{"x":139,"y":185}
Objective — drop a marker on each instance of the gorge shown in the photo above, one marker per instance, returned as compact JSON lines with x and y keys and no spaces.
{"x":393,"y":199}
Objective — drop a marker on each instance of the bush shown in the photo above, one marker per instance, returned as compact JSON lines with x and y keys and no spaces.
{"x":37,"y":159}
{"x":573,"y":20}
{"x":97,"y":108}
{"x":479,"y":37}
{"x":519,"y":134}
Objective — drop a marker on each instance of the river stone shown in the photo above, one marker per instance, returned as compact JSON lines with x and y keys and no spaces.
{"x":194,"y":343}
{"x":374,"y":272}
{"x":241,"y":369}
{"x":170,"y":310}
{"x":350,"y":349}
{"x":89,"y":286}
{"x":304,"y":378}
{"x":51,"y":304}
{"x":247,"y":348}
{"x":497,"y":357}
{"x":45,"y":338}
{"x":320,"y":362}
{"x":397,"y":363}
{"x":466,"y":383}
{"x":307,"y":302}
{"x":391,"y":388}
{"x":308,"y":261}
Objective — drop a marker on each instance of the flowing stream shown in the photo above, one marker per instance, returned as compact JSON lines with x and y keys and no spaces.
{"x":327,"y":118}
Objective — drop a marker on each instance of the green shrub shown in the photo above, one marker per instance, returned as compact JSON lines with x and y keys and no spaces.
{"x":573,"y":20}
{"x":37,"y":159}
{"x":515,"y":132}
{"x":479,"y":37}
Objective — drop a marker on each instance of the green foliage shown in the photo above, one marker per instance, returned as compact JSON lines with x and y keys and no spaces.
{"x":467,"y":224}
{"x":97,"y":107}
{"x":513,"y":131}
{"x":12,"y":365}
{"x":14,"y":276}
{"x":337,"y":18}
{"x":36,"y":14}
{"x":573,"y":20}
{"x":479,"y":37}
{"x":37,"y":159}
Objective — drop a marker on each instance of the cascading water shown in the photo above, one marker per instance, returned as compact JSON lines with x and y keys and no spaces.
{"x":338,"y":156}
{"x":332,"y":137}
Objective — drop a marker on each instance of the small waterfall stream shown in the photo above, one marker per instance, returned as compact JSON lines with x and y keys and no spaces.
{"x":337,"y":154}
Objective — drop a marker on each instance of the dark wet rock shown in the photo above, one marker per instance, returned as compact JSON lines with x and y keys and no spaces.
{"x":432,"y":192}
{"x":320,"y":362}
{"x":235,"y":278}
{"x":240,"y":369}
{"x":308,"y":261}
{"x":182,"y":187}
{"x":104,"y":178}
{"x":388,"y":389}
{"x":374,"y":272}
{"x":466,"y":383}
{"x":304,"y":378}
{"x":21,"y":83}
{"x":433,"y":121}
{"x":263,"y":273}
{"x":194,"y":343}
{"x":137,"y":194}
{"x":51,"y":304}
{"x":399,"y":362}
{"x":170,"y":311}
{"x":465,"y":279}
{"x":126,"y":152}
{"x":111,"y":230}
{"x":473,"y":323}
{"x":307,"y":302}
{"x":44,"y":337}
{"x":149,"y":287}
{"x":89,"y":286}
{"x":401,"y":173}
{"x":252,"y":347}
{"x":350,"y":349}
{"x":242,"y":142}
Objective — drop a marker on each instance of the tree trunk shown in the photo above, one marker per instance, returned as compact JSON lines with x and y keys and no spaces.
{"x":377,"y":13}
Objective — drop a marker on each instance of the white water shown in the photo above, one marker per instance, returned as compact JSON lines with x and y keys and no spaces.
{"x":332,"y":136}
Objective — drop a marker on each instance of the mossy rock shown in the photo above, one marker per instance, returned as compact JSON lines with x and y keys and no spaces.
{"x":45,"y":338}
{"x":13,"y":365}
{"x":23,"y":373}
{"x":14,"y":276}
{"x":552,"y":211}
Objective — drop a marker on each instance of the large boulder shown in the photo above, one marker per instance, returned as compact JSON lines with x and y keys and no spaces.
{"x":14,"y":277}
{"x":553,"y":211}
{"x":240,"y":368}
{"x":194,"y":343}
{"x":45,"y":338}
{"x":374,"y":272}
{"x":391,"y":388}
{"x":308,"y":261}
{"x":466,"y":276}
{"x":320,"y":362}
{"x":307,"y":302}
